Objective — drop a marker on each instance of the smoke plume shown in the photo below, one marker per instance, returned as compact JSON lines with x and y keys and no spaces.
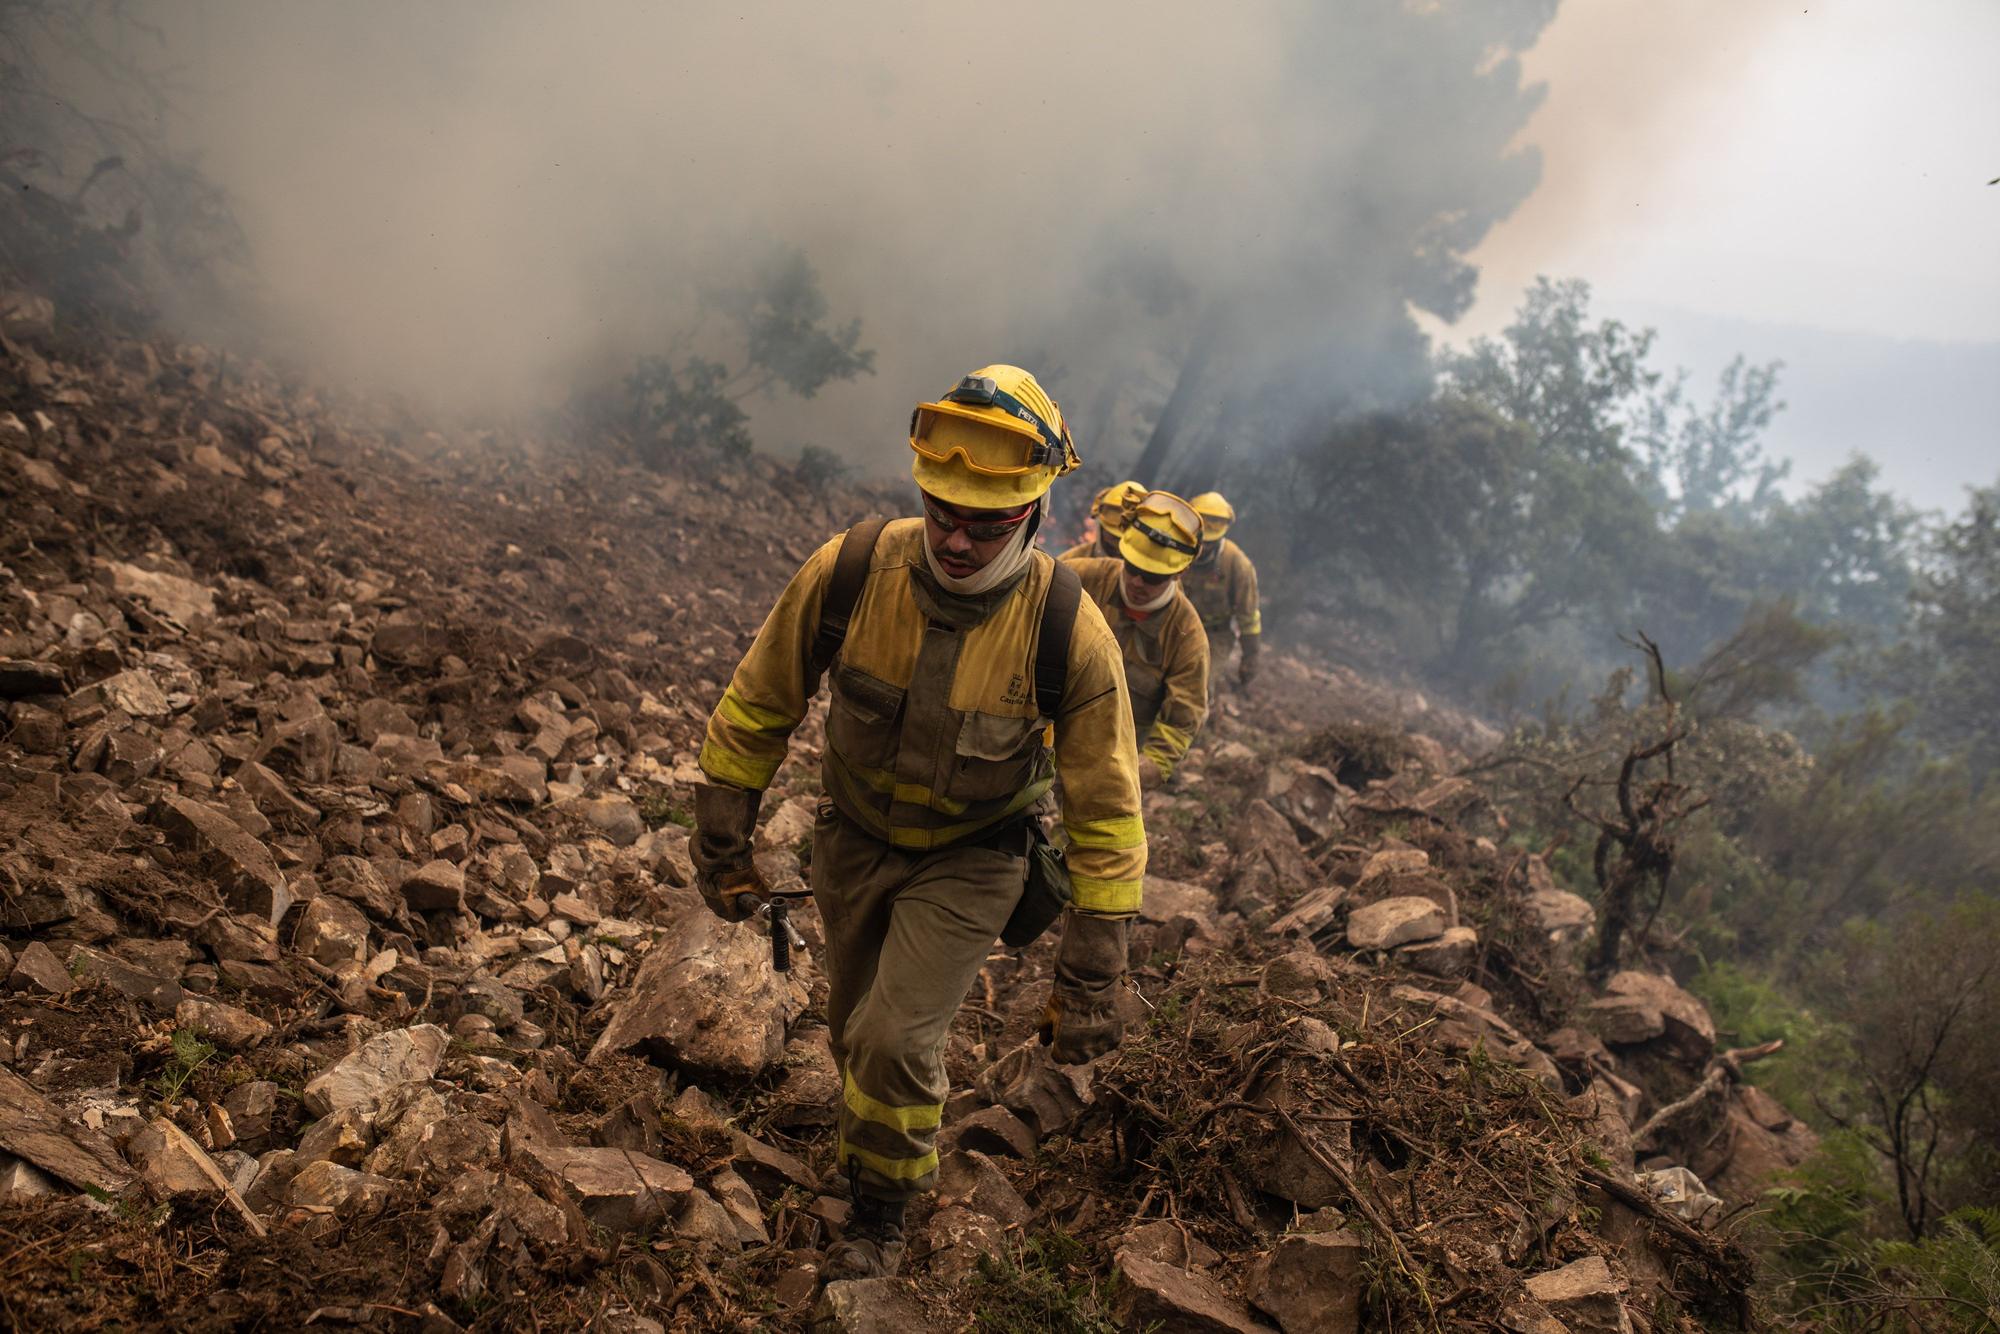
{"x":482,"y":204}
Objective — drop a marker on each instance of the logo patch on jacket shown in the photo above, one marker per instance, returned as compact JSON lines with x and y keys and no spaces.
{"x":1017,"y":690}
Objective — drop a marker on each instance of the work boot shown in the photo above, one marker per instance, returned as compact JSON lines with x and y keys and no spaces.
{"x":873,"y":1246}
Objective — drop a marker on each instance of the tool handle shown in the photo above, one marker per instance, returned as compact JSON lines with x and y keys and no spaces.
{"x":781,"y":936}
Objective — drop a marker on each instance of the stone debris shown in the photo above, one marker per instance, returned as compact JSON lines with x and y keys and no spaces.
{"x":1449,"y":955}
{"x":1394,"y":921}
{"x":1152,"y":1295}
{"x":379,"y":1065}
{"x":1584,"y":1295}
{"x":398,"y":830}
{"x":32,"y":1129}
{"x":707,"y":998}
{"x":1311,"y":1282}
{"x":869,"y":1306}
{"x":969,"y":1178}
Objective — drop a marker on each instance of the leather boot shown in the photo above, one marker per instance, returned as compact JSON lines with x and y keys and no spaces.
{"x":873,"y":1246}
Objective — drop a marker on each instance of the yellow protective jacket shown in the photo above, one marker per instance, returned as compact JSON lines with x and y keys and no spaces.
{"x":1224,"y":588}
{"x":1083,"y":550}
{"x":1166,"y":665}
{"x":933,"y":736}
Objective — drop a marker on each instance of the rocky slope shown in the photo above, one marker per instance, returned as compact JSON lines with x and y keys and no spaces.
{"x":353,"y":975}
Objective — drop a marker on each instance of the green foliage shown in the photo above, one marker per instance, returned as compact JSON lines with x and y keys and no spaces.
{"x":685,"y":412}
{"x":1917,"y":997}
{"x":1814,"y":1225}
{"x":1946,"y":666}
{"x":657,"y":807}
{"x":819,"y":466}
{"x":1952,"y":1277}
{"x":1751,"y":1008}
{"x":693,"y":409}
{"x":781,"y":312}
{"x":190,"y":1054}
{"x":1699,"y":460}
{"x":1044,"y":1287}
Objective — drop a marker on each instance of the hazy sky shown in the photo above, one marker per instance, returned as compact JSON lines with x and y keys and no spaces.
{"x":483,"y":201}
{"x":1818,"y":163}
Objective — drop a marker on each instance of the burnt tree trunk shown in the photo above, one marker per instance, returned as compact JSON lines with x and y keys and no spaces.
{"x":1153,"y":459}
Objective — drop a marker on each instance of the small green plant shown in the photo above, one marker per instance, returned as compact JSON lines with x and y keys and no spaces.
{"x":190,"y":1054}
{"x":819,"y":466}
{"x":1042,"y":1288}
{"x":656,"y":808}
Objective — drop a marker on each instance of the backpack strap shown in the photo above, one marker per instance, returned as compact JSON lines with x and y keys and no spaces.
{"x":1052,"y":648}
{"x":843,"y":590}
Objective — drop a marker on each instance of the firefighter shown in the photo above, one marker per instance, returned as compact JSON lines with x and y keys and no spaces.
{"x":1222,"y":584}
{"x":1158,"y":629}
{"x":1108,"y":509}
{"x":938,"y":633}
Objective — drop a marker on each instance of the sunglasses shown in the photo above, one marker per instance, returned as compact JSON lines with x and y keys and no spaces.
{"x":978,"y":531}
{"x":1146,"y":577}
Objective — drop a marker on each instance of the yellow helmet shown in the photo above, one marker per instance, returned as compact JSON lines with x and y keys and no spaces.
{"x":1109,"y":507}
{"x":996,"y":441}
{"x":1162,"y":533}
{"x":1216,"y":515}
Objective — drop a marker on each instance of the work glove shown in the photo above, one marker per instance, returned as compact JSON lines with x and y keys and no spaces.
{"x":1081,"y":1020}
{"x":1150,"y":774}
{"x":1247,"y":668}
{"x":725,"y":818}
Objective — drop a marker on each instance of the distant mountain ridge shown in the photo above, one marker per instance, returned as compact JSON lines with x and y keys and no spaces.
{"x":1927,"y":411}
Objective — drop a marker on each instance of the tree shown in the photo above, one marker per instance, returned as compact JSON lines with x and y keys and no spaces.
{"x":1945,"y":667}
{"x":1552,"y":517}
{"x":673,"y":412}
{"x":95,"y":210}
{"x":1635,"y":841}
{"x":1919,"y":997}
{"x":1568,"y":383}
{"x":1699,"y":460}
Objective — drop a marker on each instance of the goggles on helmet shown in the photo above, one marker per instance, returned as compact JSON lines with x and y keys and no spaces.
{"x":1006,"y":452}
{"x":1167,"y":505}
{"x":985,"y":530}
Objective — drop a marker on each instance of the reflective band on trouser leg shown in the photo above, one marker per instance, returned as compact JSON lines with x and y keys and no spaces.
{"x":929,"y":920}
{"x":922,"y":1116}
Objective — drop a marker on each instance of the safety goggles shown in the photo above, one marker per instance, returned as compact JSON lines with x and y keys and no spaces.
{"x":1166,"y":505}
{"x":984,"y":530}
{"x":1146,"y":577}
{"x":1009,"y":452}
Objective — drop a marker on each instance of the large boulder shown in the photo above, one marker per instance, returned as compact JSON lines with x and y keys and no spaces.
{"x":707,"y":999}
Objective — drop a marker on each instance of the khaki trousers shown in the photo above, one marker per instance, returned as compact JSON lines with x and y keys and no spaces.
{"x":906,"y":936}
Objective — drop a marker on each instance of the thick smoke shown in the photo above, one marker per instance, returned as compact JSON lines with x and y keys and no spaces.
{"x":481,"y":204}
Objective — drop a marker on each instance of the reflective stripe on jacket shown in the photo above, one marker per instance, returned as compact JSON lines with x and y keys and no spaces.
{"x":1166,"y":664}
{"x":1223,"y":588}
{"x":933,"y":736}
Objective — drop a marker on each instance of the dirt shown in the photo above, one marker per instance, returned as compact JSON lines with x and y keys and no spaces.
{"x":357,"y":559}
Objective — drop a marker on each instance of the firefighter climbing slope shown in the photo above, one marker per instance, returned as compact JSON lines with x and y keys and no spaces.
{"x":1222,"y":584}
{"x":1108,"y":511}
{"x":1158,"y":629}
{"x":952,"y":644}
